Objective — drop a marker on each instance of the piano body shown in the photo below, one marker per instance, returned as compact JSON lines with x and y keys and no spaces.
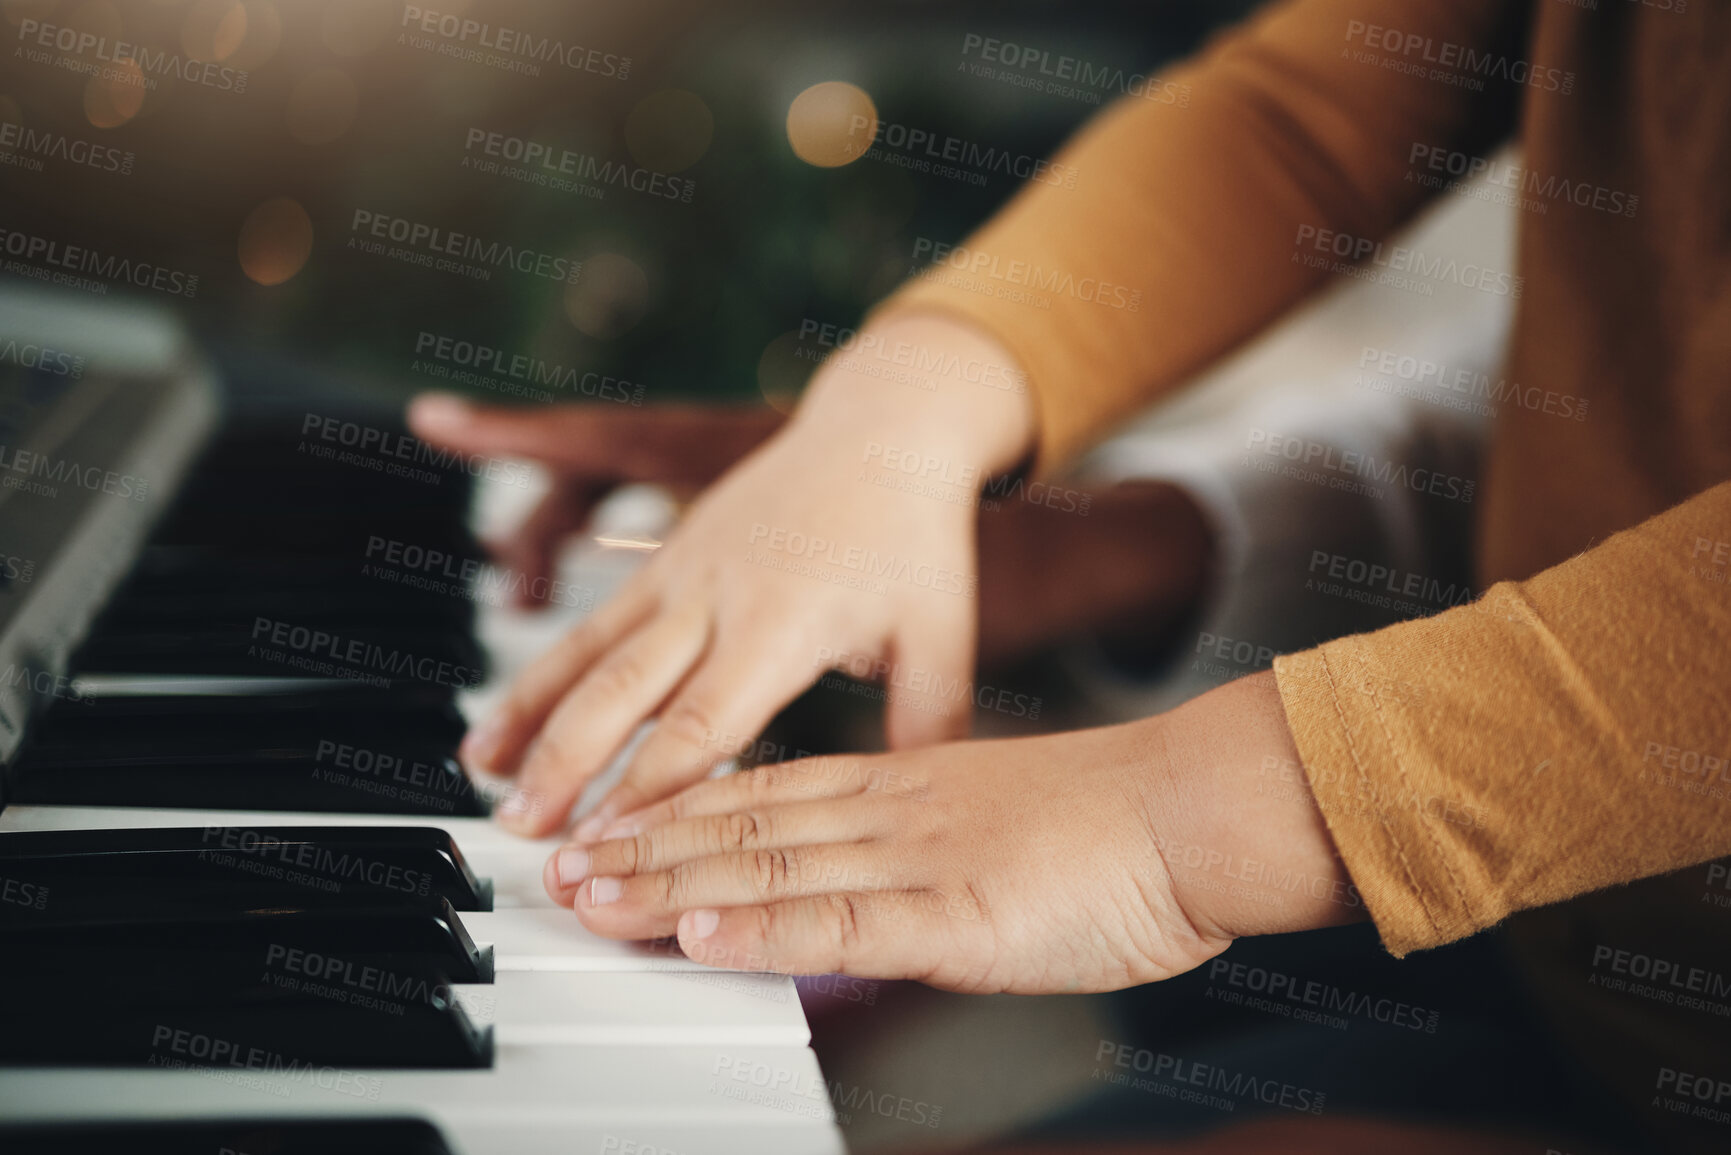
{"x":248,"y":901}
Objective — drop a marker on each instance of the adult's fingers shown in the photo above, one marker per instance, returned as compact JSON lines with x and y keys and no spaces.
{"x":883,"y":935}
{"x":649,"y":905}
{"x":931,"y":698}
{"x":564,"y":436}
{"x":496,"y":745}
{"x":732,"y":695}
{"x":675,"y":444}
{"x":593,"y":720}
{"x":531,"y":552}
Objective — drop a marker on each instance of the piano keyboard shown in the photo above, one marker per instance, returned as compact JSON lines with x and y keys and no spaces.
{"x":248,"y":900}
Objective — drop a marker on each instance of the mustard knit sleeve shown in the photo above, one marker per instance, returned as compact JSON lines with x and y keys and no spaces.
{"x":1559,"y":735}
{"x":1184,"y":216}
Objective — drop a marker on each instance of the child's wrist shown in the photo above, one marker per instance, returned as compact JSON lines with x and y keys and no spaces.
{"x":927,"y":389}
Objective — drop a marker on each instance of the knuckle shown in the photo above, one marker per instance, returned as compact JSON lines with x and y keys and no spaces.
{"x":770,"y":926}
{"x":637,"y":852}
{"x":690,"y":720}
{"x":740,"y":831}
{"x":618,"y":676}
{"x":771,"y":871}
{"x":678,"y":807}
{"x":675,"y":886}
{"x":839,"y":915}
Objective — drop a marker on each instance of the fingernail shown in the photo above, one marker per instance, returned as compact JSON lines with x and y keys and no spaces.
{"x":702,"y":923}
{"x":605,"y":890}
{"x":591,"y":828}
{"x":572,"y":866}
{"x":446,"y":409}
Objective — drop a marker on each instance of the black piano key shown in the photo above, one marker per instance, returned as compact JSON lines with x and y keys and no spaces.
{"x":260,"y":1136}
{"x":324,"y":983}
{"x":244,"y":866}
{"x":400,"y":762}
{"x":372,"y":573}
{"x":264,"y":1030}
{"x":190,"y":726}
{"x":306,"y":646}
{"x":167,"y":783}
{"x":342,"y":599}
{"x":303,"y":531}
{"x":151,"y":951}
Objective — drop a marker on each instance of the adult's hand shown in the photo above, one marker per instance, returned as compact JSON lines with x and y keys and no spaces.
{"x":590,"y":450}
{"x":1128,"y":558}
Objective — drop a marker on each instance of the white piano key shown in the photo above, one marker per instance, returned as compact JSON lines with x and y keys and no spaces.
{"x":529,"y":1085}
{"x":555,"y":1086}
{"x":706,"y":1061}
{"x":549,"y":938}
{"x":645,"y":1139}
{"x":531,"y":1007}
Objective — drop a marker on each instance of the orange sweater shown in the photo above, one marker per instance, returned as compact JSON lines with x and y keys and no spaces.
{"x":1579,"y":712}
{"x":1582,"y":703}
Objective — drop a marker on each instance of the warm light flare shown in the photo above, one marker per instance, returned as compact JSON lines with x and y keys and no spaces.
{"x":114,"y":95}
{"x":358,"y":27}
{"x":782,"y":371}
{"x":214,"y":29}
{"x":275,"y":241}
{"x":610,"y":296}
{"x":831,"y":124}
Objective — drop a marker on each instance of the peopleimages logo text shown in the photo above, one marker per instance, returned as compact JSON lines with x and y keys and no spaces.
{"x":1401,"y":259}
{"x":1463,"y":60}
{"x":1059,"y":283}
{"x":17,"y":139}
{"x":523,"y":367}
{"x":83,"y":259}
{"x":150,"y":61}
{"x":867,"y":134}
{"x":546,"y":162}
{"x":436,"y":241}
{"x":511,"y":42}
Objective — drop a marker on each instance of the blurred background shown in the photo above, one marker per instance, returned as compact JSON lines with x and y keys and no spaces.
{"x":653,"y":142}
{"x":538,"y":201}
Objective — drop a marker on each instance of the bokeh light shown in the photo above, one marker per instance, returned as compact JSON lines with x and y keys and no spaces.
{"x":610,"y":296}
{"x":213,"y":29}
{"x":783,"y":370}
{"x":357,"y":27}
{"x":263,"y":35}
{"x":831,"y":124}
{"x":114,"y":96}
{"x":275,"y":241}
